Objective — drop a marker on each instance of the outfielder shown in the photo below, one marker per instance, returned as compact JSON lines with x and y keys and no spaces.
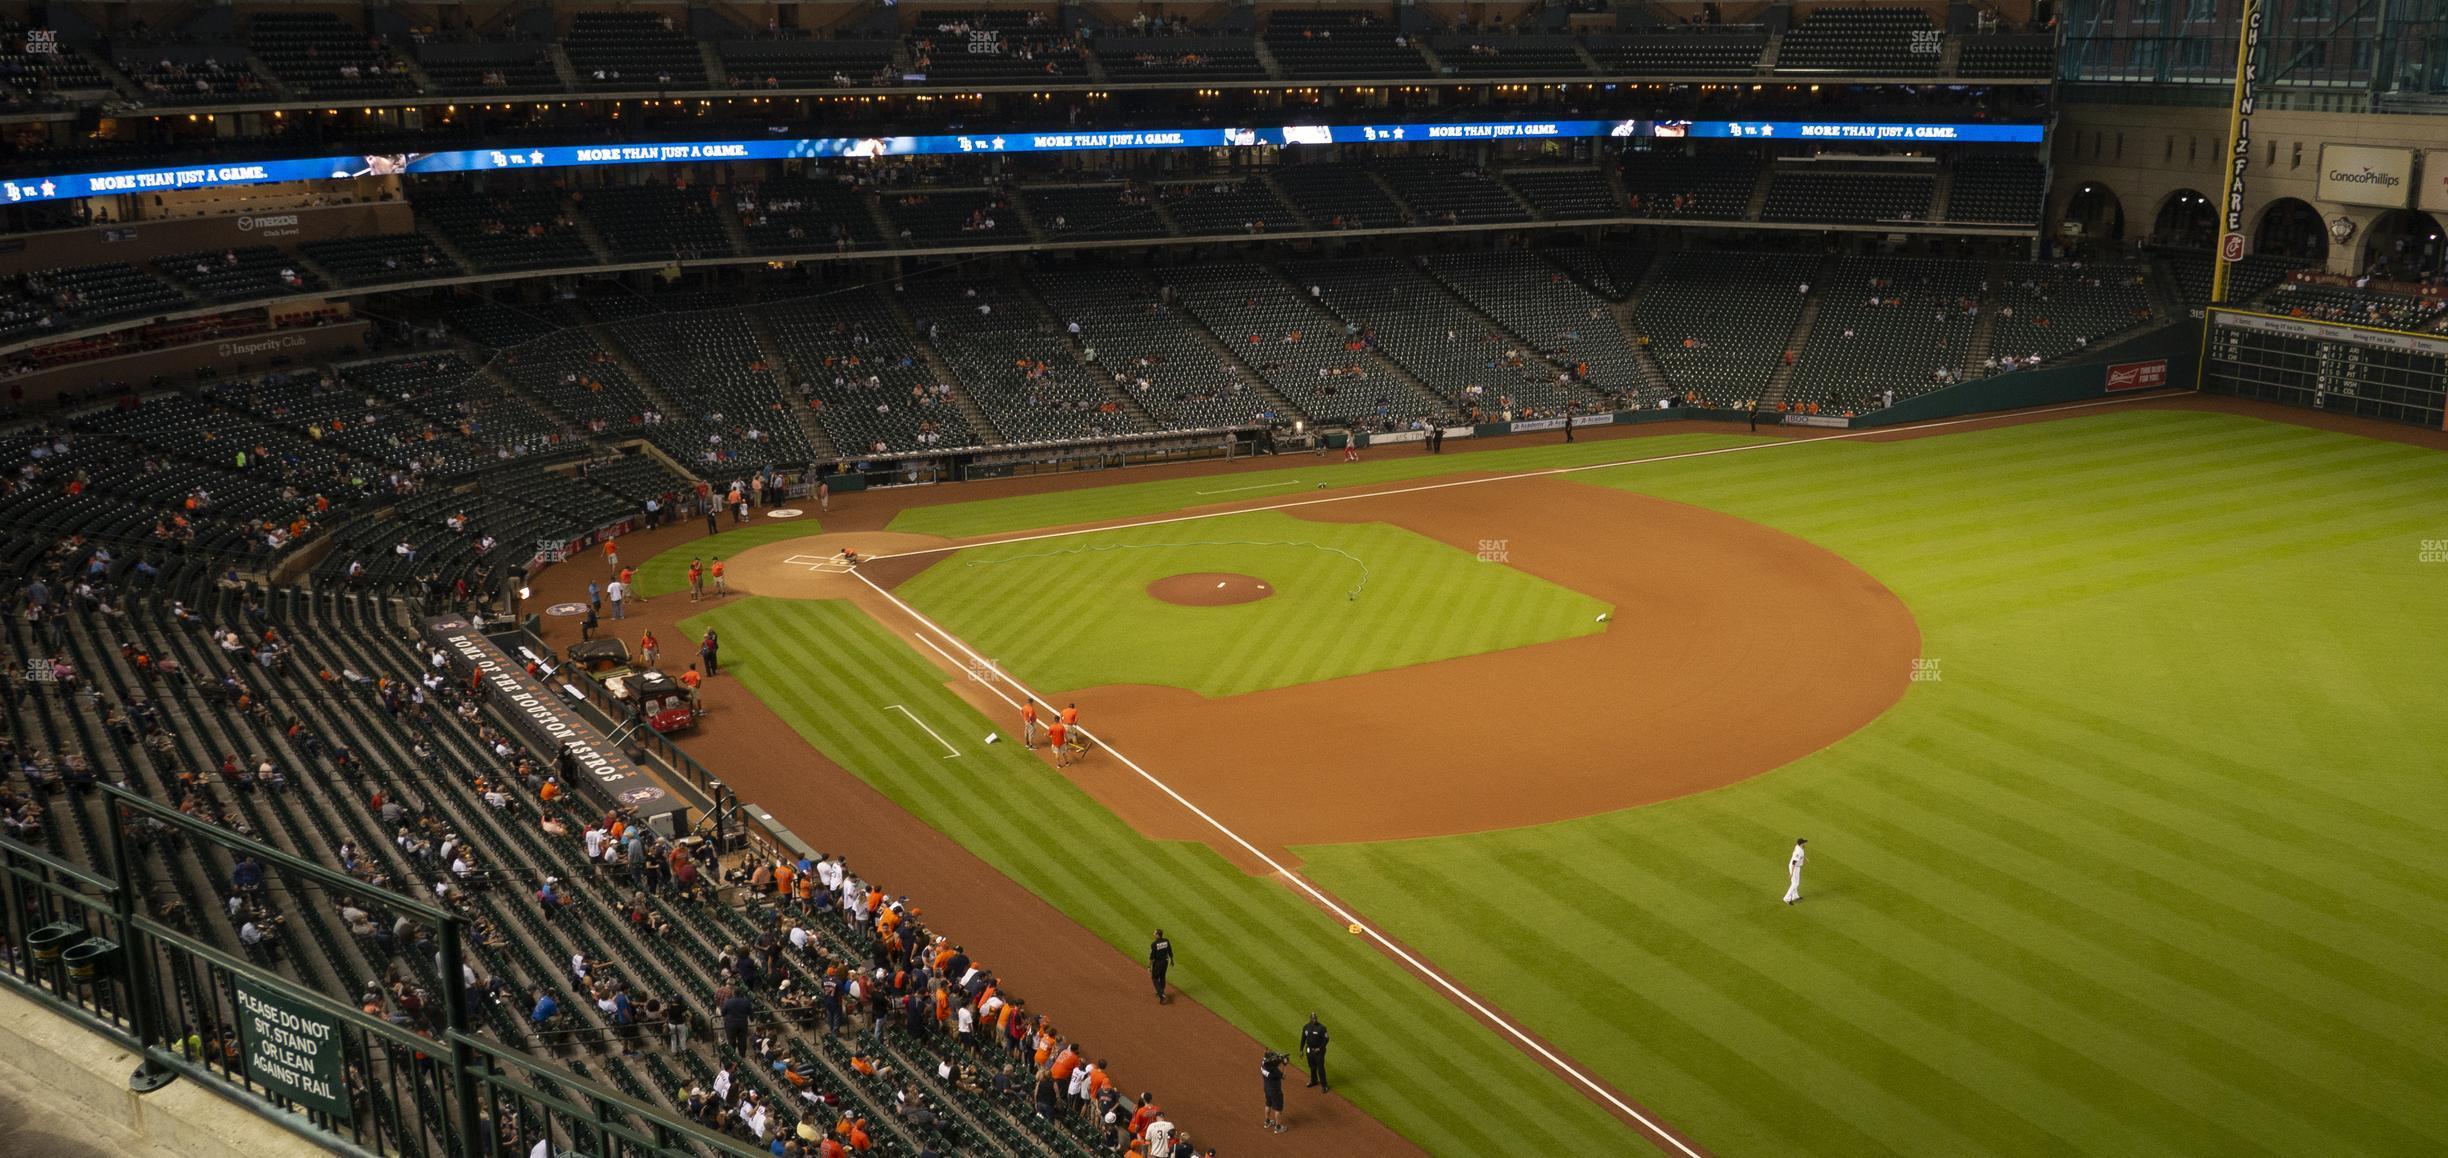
{"x":1793,"y":872}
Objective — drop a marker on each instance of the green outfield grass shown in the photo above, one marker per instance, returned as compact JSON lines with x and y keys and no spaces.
{"x":668,"y":571}
{"x":1261,"y":956}
{"x":2152,"y":868}
{"x":1286,"y":477}
{"x":1074,"y":612}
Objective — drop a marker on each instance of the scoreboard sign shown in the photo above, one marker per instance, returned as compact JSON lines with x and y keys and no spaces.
{"x":2384,"y":374}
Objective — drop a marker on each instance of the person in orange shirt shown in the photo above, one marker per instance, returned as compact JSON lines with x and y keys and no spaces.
{"x":1028,"y":722}
{"x":612,"y":554}
{"x":650,"y":649}
{"x":696,"y":580}
{"x":1065,"y":1062}
{"x":783,"y":872}
{"x":1056,"y":735}
{"x":551,"y":791}
{"x":720,"y":587}
{"x":690,"y":679}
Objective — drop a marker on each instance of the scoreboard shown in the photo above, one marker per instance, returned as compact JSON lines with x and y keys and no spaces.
{"x":2384,"y":374}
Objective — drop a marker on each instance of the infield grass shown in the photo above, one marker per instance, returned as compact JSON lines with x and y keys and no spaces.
{"x":1071,"y":613}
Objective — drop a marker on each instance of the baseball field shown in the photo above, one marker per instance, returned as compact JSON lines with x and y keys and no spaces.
{"x":2114,"y":733}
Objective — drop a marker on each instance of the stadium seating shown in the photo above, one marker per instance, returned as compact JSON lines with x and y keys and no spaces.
{"x":1450,"y":192}
{"x":463,"y":421}
{"x":1542,"y":305}
{"x":805,"y":215}
{"x":1152,"y":353}
{"x":1335,"y":195}
{"x":1177,"y":59}
{"x":954,"y":216}
{"x":2051,"y":310}
{"x":1472,"y":54}
{"x":1862,"y":41}
{"x":2006,"y":190}
{"x":1562,"y":194}
{"x":255,"y":271}
{"x":481,"y":68}
{"x":804,"y":63}
{"x":1214,"y":208}
{"x":522,"y":229}
{"x":2007,"y":57}
{"x":951,"y":48}
{"x":872,"y":394}
{"x":381,"y":259}
{"x":1326,"y":44}
{"x":46,"y":77}
{"x":183,"y":74}
{"x":1821,"y":192}
{"x":1022,"y":370}
{"x":1708,"y":185}
{"x":1087,"y":212}
{"x":1697,"y":50}
{"x":1486,"y":373}
{"x":1718,"y":322}
{"x":704,"y":356}
{"x":319,"y":57}
{"x":1301,"y":349}
{"x":1613,"y":271}
{"x":2380,"y":309}
{"x":1916,"y":337}
{"x":98,"y":292}
{"x":655,"y":222}
{"x":632,"y":50}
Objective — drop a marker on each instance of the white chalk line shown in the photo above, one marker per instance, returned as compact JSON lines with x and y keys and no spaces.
{"x":1348,"y":917}
{"x":1538,"y":472}
{"x":1252,"y":487}
{"x":913,"y":718}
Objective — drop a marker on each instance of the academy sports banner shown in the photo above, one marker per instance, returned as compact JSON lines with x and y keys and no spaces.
{"x":768,"y":149}
{"x":602,"y":771}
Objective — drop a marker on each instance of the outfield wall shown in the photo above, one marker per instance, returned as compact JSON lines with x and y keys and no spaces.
{"x":2164,"y":357}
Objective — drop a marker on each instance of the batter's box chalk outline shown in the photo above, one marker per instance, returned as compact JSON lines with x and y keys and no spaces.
{"x":826,"y":564}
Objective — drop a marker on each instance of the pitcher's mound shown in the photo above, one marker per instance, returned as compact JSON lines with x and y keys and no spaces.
{"x":1209,"y":589}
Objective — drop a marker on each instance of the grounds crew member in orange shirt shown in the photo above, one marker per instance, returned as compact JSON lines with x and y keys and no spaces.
{"x":720,"y":587}
{"x":690,"y":679}
{"x":1055,"y":735}
{"x":1028,"y":722}
{"x":1070,"y":724}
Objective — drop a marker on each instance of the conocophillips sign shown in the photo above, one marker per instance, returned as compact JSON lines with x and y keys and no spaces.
{"x":2363,"y":175}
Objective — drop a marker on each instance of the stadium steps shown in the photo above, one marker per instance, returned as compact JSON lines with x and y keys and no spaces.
{"x":1249,"y":374}
{"x":311,"y":266}
{"x":1051,"y":320}
{"x":1419,"y":44}
{"x":561,"y":65}
{"x":770,"y":348}
{"x":604,"y":340}
{"x":271,"y":80}
{"x":1095,"y":67}
{"x":737,"y":235}
{"x":709,"y":52}
{"x":935,"y":364}
{"x":1758,"y":203}
{"x":2167,"y":299}
{"x":1590,"y":62}
{"x":1274,"y":71}
{"x":1028,"y":220}
{"x":1942,"y":191}
{"x":1782,"y":377}
{"x":1273,"y":186}
{"x":1983,"y":339}
{"x":1768,"y":62}
{"x":1376,"y":355}
{"x":125,"y":85}
{"x":587,"y":233}
{"x":1950,"y":59}
{"x":442,"y":244}
{"x":882,"y":221}
{"x":407,"y":62}
{"x":1653,"y":376}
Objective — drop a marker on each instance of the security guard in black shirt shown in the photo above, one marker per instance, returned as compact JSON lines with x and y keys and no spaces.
{"x":1313,"y":1046}
{"x":1160,"y":959}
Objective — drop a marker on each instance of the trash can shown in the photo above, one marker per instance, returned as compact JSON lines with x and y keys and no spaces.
{"x":47,"y":942}
{"x":90,"y":961}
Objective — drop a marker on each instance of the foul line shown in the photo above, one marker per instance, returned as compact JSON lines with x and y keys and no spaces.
{"x":1252,"y":487}
{"x":1540,"y":472}
{"x":1348,"y":917}
{"x":923,"y":724}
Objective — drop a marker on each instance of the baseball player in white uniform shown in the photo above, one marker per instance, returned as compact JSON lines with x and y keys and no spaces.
{"x":1793,"y":872}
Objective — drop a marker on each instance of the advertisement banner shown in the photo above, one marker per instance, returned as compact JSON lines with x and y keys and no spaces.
{"x":2138,"y":375}
{"x":343,"y":168}
{"x":2364,"y":175}
{"x":2434,"y":198}
{"x":290,"y":1048}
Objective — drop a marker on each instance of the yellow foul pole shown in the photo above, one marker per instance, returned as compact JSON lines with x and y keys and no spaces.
{"x":2239,"y":149}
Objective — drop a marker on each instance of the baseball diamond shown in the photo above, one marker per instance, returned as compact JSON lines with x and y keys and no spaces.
{"x":1224,"y":580}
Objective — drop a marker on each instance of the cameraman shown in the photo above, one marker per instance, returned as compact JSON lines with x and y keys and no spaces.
{"x":1270,"y":1071}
